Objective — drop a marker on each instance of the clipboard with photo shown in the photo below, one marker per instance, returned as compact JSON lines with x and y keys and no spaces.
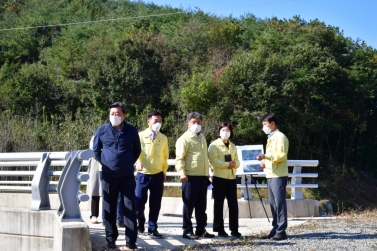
{"x":247,"y":155}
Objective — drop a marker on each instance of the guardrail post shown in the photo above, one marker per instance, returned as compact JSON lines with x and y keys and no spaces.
{"x":40,"y":185}
{"x":69,"y":185}
{"x":296,"y":193}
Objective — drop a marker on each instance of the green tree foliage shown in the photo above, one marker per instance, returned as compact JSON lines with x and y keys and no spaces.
{"x":131,"y":74}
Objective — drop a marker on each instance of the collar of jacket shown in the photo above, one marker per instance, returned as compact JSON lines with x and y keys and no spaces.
{"x":122,"y":128}
{"x":147,"y":134}
{"x":272,"y":136}
{"x":272,"y":133}
{"x":193,"y":134}
{"x":223,"y":144}
{"x":220,"y":140}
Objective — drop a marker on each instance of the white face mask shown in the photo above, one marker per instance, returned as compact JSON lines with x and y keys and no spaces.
{"x":115,"y":121}
{"x":195,"y":128}
{"x":156,"y":127}
{"x":224,"y":134}
{"x":266,"y":130}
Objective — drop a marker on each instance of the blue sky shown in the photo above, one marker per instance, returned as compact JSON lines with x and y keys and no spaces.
{"x":356,"y":18}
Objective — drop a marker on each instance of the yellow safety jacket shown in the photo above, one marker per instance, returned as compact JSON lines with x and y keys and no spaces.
{"x":276,"y":155}
{"x":191,"y":155}
{"x":154,"y":154}
{"x":216,"y":152}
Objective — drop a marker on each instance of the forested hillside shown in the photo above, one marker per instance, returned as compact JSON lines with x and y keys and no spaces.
{"x":56,"y":81}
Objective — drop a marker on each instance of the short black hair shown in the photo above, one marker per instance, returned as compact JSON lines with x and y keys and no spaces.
{"x":153,"y":113}
{"x":194,"y":115}
{"x":225,"y":124}
{"x":270,"y":117}
{"x":119,"y":104}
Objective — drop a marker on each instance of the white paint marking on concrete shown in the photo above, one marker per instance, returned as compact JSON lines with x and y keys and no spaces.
{"x":152,"y":243}
{"x":175,"y":242}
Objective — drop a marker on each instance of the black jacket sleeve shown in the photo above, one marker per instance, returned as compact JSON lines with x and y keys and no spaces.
{"x":97,"y":145}
{"x":136,"y":147}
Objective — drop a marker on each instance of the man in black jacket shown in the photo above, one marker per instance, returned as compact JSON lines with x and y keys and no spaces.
{"x":116,"y":146}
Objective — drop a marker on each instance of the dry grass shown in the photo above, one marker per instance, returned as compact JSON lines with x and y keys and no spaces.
{"x":172,"y":192}
{"x":369,"y":215}
{"x":263,"y":192}
{"x":177,"y":192}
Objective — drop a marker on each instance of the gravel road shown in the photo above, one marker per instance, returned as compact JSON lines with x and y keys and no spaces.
{"x":341,"y":233}
{"x":358,"y":232}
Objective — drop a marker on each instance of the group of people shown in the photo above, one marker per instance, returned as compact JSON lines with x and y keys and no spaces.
{"x":118,"y":148}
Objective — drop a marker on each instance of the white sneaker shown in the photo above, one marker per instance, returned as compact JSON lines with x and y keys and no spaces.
{"x":93,"y":220}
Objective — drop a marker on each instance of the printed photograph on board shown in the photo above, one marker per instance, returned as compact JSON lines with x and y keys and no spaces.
{"x":248,"y":159}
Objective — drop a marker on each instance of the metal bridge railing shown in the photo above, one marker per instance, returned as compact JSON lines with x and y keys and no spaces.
{"x":67,"y":187}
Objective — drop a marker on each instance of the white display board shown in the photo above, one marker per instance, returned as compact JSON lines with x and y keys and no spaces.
{"x":247,"y":155}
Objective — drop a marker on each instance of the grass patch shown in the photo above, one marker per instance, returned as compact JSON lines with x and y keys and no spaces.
{"x":172,"y":192}
{"x":177,"y":192}
{"x":368,"y":215}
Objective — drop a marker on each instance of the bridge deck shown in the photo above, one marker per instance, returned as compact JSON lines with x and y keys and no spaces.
{"x":171,"y":228}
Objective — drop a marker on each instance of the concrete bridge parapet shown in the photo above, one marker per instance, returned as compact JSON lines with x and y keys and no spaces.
{"x":24,"y":229}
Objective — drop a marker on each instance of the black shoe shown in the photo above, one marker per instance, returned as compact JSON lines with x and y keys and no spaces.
{"x":131,"y":246}
{"x":236,"y":234}
{"x":120,"y":224}
{"x":111,"y":246}
{"x":223,"y":234}
{"x":206,"y":235}
{"x":140,"y":228}
{"x":279,"y":237}
{"x":155,"y":234}
{"x":190,"y":236}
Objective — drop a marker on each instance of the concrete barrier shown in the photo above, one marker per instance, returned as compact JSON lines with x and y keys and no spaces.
{"x":174,"y":205}
{"x":23,"y":200}
{"x":70,"y":236}
{"x":25,"y":229}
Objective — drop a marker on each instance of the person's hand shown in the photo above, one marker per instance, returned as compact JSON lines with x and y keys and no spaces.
{"x":139,"y":167}
{"x":232,"y":164}
{"x":260,"y":157}
{"x":184,"y":178}
{"x":262,"y":164}
{"x":164,"y":177}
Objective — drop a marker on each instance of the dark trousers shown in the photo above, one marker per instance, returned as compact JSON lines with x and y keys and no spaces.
{"x":194,"y":195}
{"x":120,"y":208}
{"x":94,"y":206}
{"x":111,"y":187}
{"x":277,"y":193}
{"x":224,"y":188}
{"x":155,"y":184}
